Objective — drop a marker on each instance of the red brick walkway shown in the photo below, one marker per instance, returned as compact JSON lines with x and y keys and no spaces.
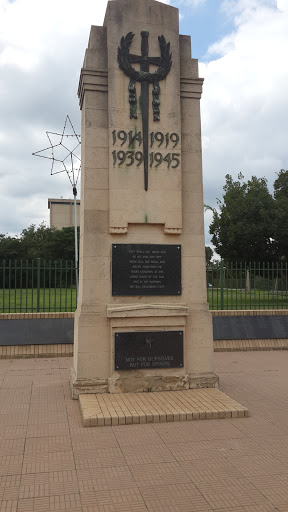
{"x":50,"y":462}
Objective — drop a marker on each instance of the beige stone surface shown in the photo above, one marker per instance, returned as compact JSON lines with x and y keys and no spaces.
{"x":247,"y":345}
{"x":115,"y":208}
{"x":126,"y":188}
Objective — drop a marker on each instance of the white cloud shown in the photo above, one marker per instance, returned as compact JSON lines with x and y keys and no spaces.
{"x":245,"y":103}
{"x":32,"y":30}
{"x":282,"y":5}
{"x":42,"y":47}
{"x":244,"y":7}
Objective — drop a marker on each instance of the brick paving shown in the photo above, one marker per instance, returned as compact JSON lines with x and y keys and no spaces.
{"x":50,"y":462}
{"x":98,"y":410}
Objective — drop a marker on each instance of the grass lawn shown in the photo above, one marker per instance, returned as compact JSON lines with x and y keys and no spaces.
{"x":64,"y":299}
{"x":240,"y":299}
{"x":28,"y":301}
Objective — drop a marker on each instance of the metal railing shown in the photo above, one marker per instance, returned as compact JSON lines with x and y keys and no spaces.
{"x":37,"y":286}
{"x":247,"y":285}
{"x":49,"y":286}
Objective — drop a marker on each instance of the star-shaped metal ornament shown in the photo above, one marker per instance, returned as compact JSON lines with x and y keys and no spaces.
{"x":64,"y":152}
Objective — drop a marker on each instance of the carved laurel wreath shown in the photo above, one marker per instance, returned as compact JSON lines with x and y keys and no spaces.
{"x":140,"y":76}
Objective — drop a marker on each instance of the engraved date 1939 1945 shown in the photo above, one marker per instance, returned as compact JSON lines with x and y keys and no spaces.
{"x":134,"y":141}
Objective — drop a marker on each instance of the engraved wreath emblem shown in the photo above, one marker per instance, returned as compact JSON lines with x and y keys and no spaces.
{"x":164,"y":63}
{"x":140,"y":76}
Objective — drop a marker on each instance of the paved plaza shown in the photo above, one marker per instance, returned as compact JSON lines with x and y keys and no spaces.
{"x":50,"y":462}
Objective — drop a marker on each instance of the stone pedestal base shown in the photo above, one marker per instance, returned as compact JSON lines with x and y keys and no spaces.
{"x":94,"y":370}
{"x":203,"y":380}
{"x":83,"y":386}
{"x":141,"y":383}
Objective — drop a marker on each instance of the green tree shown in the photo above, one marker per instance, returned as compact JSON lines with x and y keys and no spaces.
{"x":10,"y":247}
{"x":281,"y":213}
{"x":39,"y":242}
{"x":63,"y":245}
{"x":243,"y":227}
{"x":208,"y":254}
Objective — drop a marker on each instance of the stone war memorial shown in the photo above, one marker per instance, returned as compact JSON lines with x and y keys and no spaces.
{"x":142,"y":323}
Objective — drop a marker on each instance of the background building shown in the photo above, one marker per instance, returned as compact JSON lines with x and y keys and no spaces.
{"x":62,"y":212}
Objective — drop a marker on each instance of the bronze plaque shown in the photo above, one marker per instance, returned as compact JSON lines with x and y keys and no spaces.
{"x":148,"y":350}
{"x":146,"y":269}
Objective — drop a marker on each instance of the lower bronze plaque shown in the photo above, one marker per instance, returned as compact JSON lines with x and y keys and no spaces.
{"x":150,"y":349}
{"x":146,"y":269}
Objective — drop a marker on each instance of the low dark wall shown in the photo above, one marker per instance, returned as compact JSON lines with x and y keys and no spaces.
{"x":39,"y":331}
{"x":49,"y":331}
{"x":250,"y":327}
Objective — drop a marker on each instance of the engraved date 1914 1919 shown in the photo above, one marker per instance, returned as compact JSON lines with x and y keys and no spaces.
{"x":134,"y":141}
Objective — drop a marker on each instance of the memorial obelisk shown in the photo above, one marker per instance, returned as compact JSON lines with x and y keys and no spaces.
{"x":142,"y":321}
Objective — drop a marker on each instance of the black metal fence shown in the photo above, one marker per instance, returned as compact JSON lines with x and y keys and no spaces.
{"x":37,"y":286}
{"x":247,"y":286}
{"x":48,"y":286}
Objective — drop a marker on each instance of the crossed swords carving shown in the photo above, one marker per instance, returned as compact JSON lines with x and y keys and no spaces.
{"x":164,"y":63}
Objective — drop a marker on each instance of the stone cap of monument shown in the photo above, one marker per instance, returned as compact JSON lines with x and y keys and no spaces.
{"x":140,"y":6}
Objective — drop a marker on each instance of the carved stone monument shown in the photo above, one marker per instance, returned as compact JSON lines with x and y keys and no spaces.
{"x":142,"y":322}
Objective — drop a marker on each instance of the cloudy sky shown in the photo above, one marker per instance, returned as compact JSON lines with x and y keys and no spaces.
{"x":242,"y":47}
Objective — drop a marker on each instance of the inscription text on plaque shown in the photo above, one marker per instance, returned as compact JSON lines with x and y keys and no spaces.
{"x":146,"y":269}
{"x":150,"y":349}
